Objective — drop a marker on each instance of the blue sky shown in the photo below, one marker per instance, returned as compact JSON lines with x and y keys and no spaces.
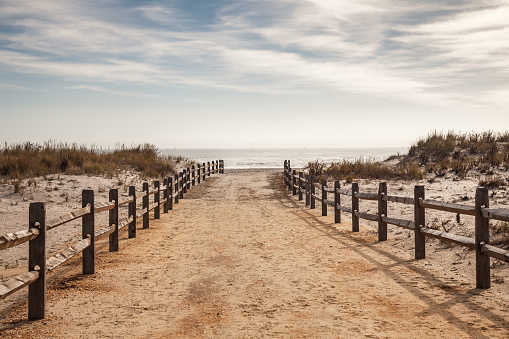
{"x":287,"y":73}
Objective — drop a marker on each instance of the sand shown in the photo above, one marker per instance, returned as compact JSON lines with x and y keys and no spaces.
{"x":241,"y":257}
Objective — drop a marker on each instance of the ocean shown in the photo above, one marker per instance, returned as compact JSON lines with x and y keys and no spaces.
{"x":247,"y":158}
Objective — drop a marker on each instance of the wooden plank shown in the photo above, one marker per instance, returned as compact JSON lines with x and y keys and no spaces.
{"x":14,"y":239}
{"x":60,"y":258}
{"x":329,"y":190}
{"x":103,"y":206}
{"x":124,"y":222}
{"x":447,"y":206}
{"x":448,"y":237}
{"x":18,"y":282}
{"x":68,"y":217}
{"x":402,"y":200}
{"x":329,"y":202}
{"x":141,"y":213}
{"x":496,"y":213}
{"x":125,"y":202}
{"x":103,"y":230}
{"x":344,"y":208}
{"x":366,"y":196}
{"x":154,"y":191}
{"x":141,"y":194}
{"x":399,"y":222}
{"x":344,"y":192}
{"x":164,"y":201}
{"x":495,"y":252}
{"x":317,"y":185}
{"x":153,"y":206}
{"x":367,"y":216}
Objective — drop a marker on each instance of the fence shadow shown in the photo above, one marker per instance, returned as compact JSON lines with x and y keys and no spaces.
{"x":354,"y":242}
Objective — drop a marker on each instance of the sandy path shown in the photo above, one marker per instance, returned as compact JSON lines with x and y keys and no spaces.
{"x":248,"y":261}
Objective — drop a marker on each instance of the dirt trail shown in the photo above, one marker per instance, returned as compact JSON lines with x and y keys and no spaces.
{"x":240,"y":258}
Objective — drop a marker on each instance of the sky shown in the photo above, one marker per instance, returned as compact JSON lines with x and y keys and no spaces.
{"x":246,"y":73}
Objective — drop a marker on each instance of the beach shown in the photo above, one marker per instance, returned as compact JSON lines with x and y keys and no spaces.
{"x":241,"y":257}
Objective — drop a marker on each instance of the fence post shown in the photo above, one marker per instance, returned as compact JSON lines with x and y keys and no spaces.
{"x":204,"y":172}
{"x":285,"y":178}
{"x":324,"y":198}
{"x":193,"y":169}
{"x":88,"y":230}
{"x":222,"y":167}
{"x":208,"y":168}
{"x":166,"y":195}
{"x":294,"y":182}
{"x":355,"y":207}
{"x":157,"y":199}
{"x":184,"y":182}
{"x":482,"y":236}
{"x":308,"y":190}
{"x":37,"y":257}
{"x":300,"y":185}
{"x":144,"y":205}
{"x":177,"y":188}
{"x":182,"y":185}
{"x":170,"y":198}
{"x":382,"y":211}
{"x":113,"y":220}
{"x":188,"y":179}
{"x":312,"y":191}
{"x":337,"y":202}
{"x":132,"y":212}
{"x":217,"y":166}
{"x":420,"y":221}
{"x":199,"y":173}
{"x":289,"y":176}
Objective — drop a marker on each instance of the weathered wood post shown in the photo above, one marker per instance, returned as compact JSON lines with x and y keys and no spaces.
{"x":132,"y":212}
{"x":289,"y":182}
{"x":324,"y":198}
{"x":285,"y":176}
{"x":355,"y":207}
{"x":337,"y":202}
{"x":177,"y":193}
{"x":166,"y":195}
{"x":37,"y":261}
{"x":199,"y":173}
{"x":188,"y":179}
{"x":113,"y":220}
{"x":300,"y":185}
{"x":184,"y":182}
{"x":308,"y":190}
{"x":312,"y":191}
{"x":157,"y":199}
{"x":294,"y":182}
{"x":420,"y":221}
{"x":208,"y":168}
{"x":193,"y":170}
{"x":182,"y":185}
{"x":170,"y":187}
{"x":382,"y":211}
{"x":204,"y":171}
{"x":145,"y":201}
{"x":482,"y":236}
{"x":88,"y":230}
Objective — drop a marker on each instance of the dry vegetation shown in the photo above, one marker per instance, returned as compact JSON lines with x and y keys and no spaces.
{"x":28,"y":160}
{"x":487,"y":153}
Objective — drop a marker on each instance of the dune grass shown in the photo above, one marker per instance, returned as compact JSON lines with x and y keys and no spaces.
{"x":26,"y":160}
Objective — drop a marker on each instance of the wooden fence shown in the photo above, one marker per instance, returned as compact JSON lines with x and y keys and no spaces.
{"x":300,"y":183}
{"x":173,"y":189}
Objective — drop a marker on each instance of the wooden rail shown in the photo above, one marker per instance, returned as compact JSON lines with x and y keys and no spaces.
{"x":173,"y":190}
{"x":296,"y":183}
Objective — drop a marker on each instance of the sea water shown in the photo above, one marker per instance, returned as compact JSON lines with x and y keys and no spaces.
{"x":247,"y":158}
